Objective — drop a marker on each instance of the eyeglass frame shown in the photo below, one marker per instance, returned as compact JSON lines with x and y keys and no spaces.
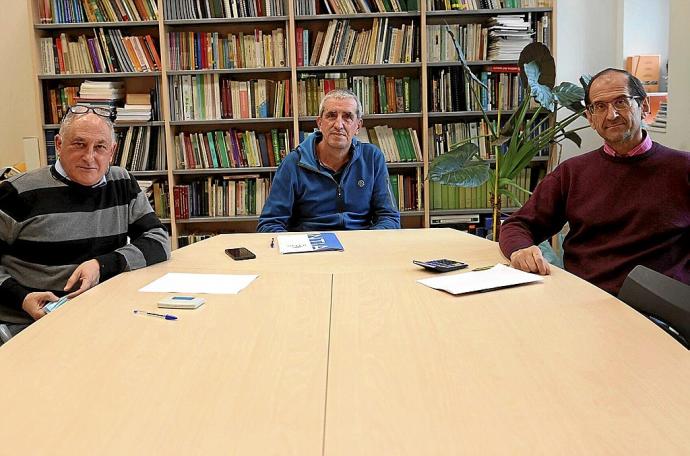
{"x":99,"y":111}
{"x":592,"y":111}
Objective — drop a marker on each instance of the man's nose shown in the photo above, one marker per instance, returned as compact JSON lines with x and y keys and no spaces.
{"x":611,"y":112}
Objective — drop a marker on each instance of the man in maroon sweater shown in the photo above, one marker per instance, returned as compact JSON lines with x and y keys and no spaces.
{"x":627,"y":203}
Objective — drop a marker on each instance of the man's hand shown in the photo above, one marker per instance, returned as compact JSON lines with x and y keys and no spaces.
{"x":89,"y":273}
{"x":34,"y":302}
{"x":530,"y":260}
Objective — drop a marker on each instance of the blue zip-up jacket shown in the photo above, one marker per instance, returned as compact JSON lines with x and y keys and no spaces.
{"x":305,"y":197}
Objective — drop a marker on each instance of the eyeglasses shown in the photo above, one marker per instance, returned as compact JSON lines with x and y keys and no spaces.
{"x":83,"y":109}
{"x":620,"y":104}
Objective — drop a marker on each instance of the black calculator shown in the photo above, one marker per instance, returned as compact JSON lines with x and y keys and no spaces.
{"x":443,"y":265}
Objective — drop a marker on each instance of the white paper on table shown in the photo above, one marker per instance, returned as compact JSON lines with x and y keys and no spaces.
{"x":176,"y":282}
{"x":499,"y":276}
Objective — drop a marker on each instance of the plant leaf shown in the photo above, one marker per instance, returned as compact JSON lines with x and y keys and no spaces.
{"x":458,"y":168}
{"x":585,"y":79}
{"x":540,"y":92}
{"x":540,"y":54}
{"x":574,"y":137}
{"x":461,"y":56}
{"x":570,"y":95}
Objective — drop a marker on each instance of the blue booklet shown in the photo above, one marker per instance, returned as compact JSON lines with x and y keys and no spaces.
{"x":316,"y":242}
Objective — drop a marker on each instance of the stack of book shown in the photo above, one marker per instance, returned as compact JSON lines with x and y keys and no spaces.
{"x":508,"y":36}
{"x":103,"y":94}
{"x":137,"y":108}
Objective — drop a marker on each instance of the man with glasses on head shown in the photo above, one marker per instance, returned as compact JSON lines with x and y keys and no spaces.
{"x":65,"y":228}
{"x":332,"y":181}
{"x":627,"y":203}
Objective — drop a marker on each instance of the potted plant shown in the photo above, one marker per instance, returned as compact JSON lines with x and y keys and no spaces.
{"x":526,"y":132}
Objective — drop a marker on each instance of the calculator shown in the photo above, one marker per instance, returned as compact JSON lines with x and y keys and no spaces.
{"x":442,"y":265}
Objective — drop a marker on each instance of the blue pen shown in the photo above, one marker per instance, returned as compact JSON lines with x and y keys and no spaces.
{"x":151,"y":314}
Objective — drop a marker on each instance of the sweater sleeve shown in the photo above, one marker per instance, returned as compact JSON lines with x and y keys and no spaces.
{"x":540,"y":218}
{"x":385,"y":214}
{"x":277,"y":210}
{"x":149,"y":241}
{"x":12,"y":293}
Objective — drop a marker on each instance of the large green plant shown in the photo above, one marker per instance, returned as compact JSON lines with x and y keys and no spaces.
{"x":525,"y":133}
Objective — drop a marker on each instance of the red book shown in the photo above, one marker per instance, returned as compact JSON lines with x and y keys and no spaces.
{"x":299,"y":32}
{"x":287,"y":99}
{"x":504,"y":69}
{"x":151,"y":47}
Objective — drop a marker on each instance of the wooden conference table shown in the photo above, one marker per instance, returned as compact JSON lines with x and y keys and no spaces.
{"x":343,"y":353}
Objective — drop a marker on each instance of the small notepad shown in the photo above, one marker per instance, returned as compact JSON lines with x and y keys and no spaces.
{"x":316,"y":242}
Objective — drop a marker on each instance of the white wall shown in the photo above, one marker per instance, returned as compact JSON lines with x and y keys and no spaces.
{"x":18,"y":118}
{"x":678,"y":127}
{"x":588,"y":39}
{"x":645,"y":31}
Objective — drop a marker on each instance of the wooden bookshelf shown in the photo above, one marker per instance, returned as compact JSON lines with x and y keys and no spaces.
{"x":420,"y":69}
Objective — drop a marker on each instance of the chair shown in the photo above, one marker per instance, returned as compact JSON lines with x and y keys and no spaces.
{"x":14,"y":321}
{"x":660,"y":298}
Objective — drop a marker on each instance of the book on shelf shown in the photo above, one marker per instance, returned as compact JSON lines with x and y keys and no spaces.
{"x":308,"y":242}
{"x":80,"y":11}
{"x":107,"y":51}
{"x":407,"y":191}
{"x":209,"y":9}
{"x":341,"y":44}
{"x":140,"y":148}
{"x":215,"y":97}
{"x":225,"y":196}
{"x":214,"y":50}
{"x":471,"y":5}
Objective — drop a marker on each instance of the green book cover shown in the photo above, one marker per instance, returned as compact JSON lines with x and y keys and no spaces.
{"x":276,"y":145}
{"x":212,"y":146}
{"x":435,"y":195}
{"x":415,"y":105}
{"x":394,"y":189}
{"x":383,"y":100}
{"x":224,"y":158}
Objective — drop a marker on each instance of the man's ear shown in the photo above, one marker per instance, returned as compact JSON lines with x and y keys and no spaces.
{"x":645,"y":108}
{"x":589,"y":118}
{"x":58,"y":144}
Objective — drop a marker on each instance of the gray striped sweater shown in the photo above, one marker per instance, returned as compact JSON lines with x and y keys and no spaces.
{"x":50,"y":225}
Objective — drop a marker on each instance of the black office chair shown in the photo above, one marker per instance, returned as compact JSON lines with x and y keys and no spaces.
{"x":14,"y":320}
{"x":660,"y":298}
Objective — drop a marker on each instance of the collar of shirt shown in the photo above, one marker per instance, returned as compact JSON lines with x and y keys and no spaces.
{"x":63,"y":173}
{"x":641,"y":148}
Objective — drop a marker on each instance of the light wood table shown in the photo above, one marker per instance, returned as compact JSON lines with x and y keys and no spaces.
{"x":344,"y":353}
{"x":554,"y":368}
{"x":243,"y":374}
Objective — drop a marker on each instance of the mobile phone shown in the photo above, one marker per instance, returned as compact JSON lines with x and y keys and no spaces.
{"x":442,"y":265}
{"x":240,"y":253}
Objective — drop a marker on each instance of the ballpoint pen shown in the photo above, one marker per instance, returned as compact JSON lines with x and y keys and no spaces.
{"x":151,"y":314}
{"x":273,"y":242}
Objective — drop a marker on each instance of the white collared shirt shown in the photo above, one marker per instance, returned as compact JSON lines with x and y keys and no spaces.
{"x":63,"y":173}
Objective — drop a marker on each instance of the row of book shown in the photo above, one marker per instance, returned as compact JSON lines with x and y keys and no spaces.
{"x":451,"y":90}
{"x":397,"y":144}
{"x":407,"y":191}
{"x":157,"y":193}
{"x":59,"y":99}
{"x":208,"y":9}
{"x":312,"y":7}
{"x":231,"y":149}
{"x":109,"y":52}
{"x":471,"y":38}
{"x":470,"y":5}
{"x":450,"y":197}
{"x":140,"y":148}
{"x":79,"y":11}
{"x":214,"y":50}
{"x":225,"y":196}
{"x":340,"y":44}
{"x":188,"y":239}
{"x":213,"y":97}
{"x":378,"y":94}
{"x":442,"y":137}
{"x":367,"y":6}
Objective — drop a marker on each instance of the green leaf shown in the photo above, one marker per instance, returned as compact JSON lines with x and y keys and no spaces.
{"x":570,"y":95}
{"x":540,"y":92}
{"x":574,"y":137}
{"x":458,"y":167}
{"x":461,"y":56}
{"x":585,"y":79}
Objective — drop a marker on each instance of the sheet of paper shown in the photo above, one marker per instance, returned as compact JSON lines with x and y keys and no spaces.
{"x":176,"y":282}
{"x":499,"y":276}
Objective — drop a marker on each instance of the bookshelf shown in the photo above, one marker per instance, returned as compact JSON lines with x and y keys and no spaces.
{"x":253,"y":84}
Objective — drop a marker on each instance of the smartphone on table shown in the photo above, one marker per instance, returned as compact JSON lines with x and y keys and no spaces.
{"x":240,"y":253}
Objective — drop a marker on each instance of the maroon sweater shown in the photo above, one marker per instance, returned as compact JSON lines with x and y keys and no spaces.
{"x":622,"y":212}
